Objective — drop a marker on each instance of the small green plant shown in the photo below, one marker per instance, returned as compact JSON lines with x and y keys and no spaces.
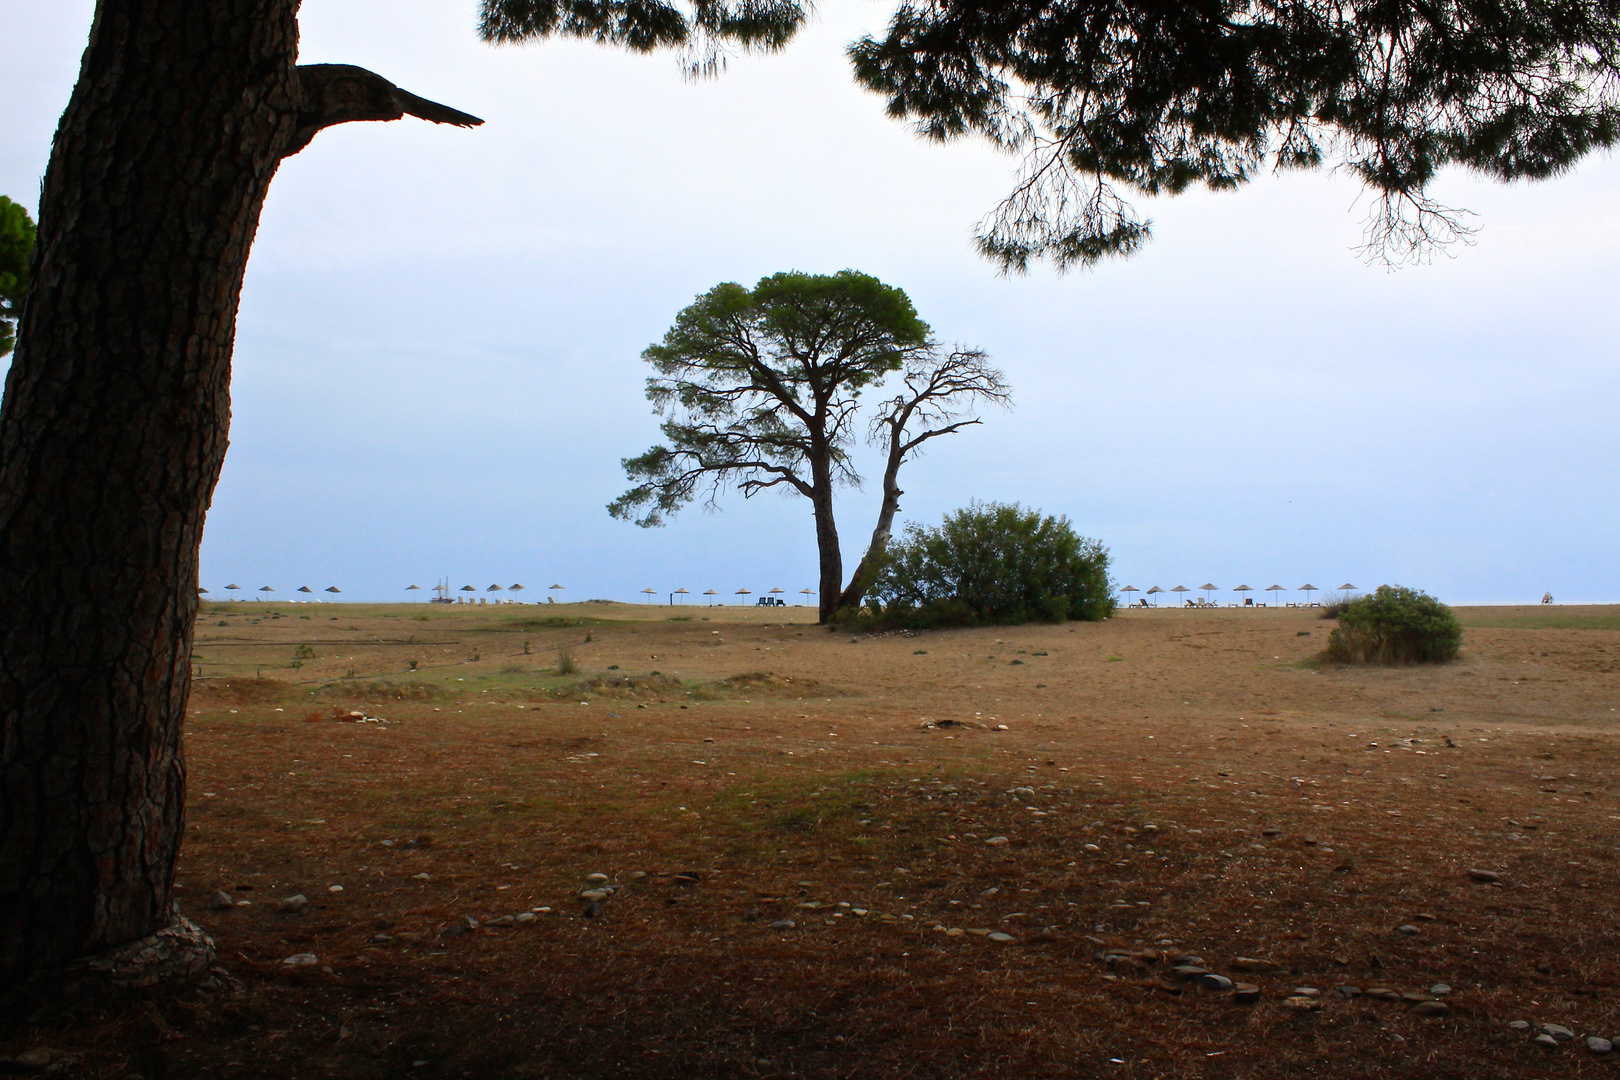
{"x":525,"y":646}
{"x":296,"y":664}
{"x":587,"y":637}
{"x":566,"y":664}
{"x":613,"y":667}
{"x":305,"y":652}
{"x":1395,"y":625}
{"x":412,"y":664}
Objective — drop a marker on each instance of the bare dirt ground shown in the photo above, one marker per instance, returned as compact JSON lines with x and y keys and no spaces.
{"x":953,"y":854}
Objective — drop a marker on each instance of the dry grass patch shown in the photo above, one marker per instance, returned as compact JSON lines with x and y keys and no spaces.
{"x":1202,"y":797}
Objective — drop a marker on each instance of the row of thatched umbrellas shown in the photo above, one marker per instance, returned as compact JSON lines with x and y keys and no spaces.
{"x":265,"y":588}
{"x":740,"y":592}
{"x":1206,"y":588}
{"x":519,"y":588}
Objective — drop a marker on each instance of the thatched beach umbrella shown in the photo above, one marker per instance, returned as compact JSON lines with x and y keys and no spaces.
{"x":711,"y":592}
{"x":1347,"y":590}
{"x":650,"y":591}
{"x":775,"y":590}
{"x":201,"y":591}
{"x":681,"y":592}
{"x":808,"y":593}
{"x":1307,"y":590}
{"x":515,"y":588}
{"x":1207,"y":589}
{"x":1276,"y":588}
{"x":233,"y":587}
{"x":1180,"y":589}
{"x":1242,"y":589}
{"x":333,"y":588}
{"x":493,"y":588}
{"x":1127,"y":590}
{"x":410,"y":588}
{"x":745,"y":592}
{"x":1154,"y":591}
{"x":266,"y":588}
{"x":305,"y":588}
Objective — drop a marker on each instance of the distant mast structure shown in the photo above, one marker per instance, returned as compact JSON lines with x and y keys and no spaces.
{"x":441,"y":592}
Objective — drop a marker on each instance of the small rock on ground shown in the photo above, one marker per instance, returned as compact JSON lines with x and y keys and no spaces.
{"x":294,"y":904}
{"x":1485,"y":875}
{"x":1519,"y":1025}
{"x":1546,"y":1040}
{"x":1558,"y":1031}
{"x":1214,"y":982}
{"x":1302,"y":1004}
{"x":1408,"y":929}
{"x":220,"y":901}
{"x":1598,"y":1045}
{"x":783,"y":924}
{"x":1431,"y":1008}
{"x":1440,"y":989}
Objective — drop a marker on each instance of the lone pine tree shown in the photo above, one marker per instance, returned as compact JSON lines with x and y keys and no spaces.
{"x":761,"y":389}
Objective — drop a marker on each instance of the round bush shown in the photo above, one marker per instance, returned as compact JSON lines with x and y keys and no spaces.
{"x":1395,"y":625}
{"x":992,"y":563}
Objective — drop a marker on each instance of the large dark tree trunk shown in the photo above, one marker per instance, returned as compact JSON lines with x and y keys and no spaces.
{"x":112,"y":432}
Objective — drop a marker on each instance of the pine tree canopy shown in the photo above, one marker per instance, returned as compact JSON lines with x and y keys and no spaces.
{"x":702,"y":27}
{"x":760,"y":386}
{"x":1151,"y":97}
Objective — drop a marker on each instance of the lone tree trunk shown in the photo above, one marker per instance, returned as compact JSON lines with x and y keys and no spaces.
{"x":112,"y":432}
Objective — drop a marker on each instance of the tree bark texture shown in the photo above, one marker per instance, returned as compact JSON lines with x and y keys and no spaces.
{"x":112,"y":433}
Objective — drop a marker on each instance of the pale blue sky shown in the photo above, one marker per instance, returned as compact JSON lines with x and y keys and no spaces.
{"x":438,"y":360}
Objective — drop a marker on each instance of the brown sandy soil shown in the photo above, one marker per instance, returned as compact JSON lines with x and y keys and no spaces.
{"x":1168,"y":783}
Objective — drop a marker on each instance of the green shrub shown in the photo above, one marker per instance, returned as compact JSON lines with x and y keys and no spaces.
{"x":1395,"y":625}
{"x":991,"y":563}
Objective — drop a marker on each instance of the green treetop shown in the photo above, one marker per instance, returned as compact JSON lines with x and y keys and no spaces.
{"x":16,"y":242}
